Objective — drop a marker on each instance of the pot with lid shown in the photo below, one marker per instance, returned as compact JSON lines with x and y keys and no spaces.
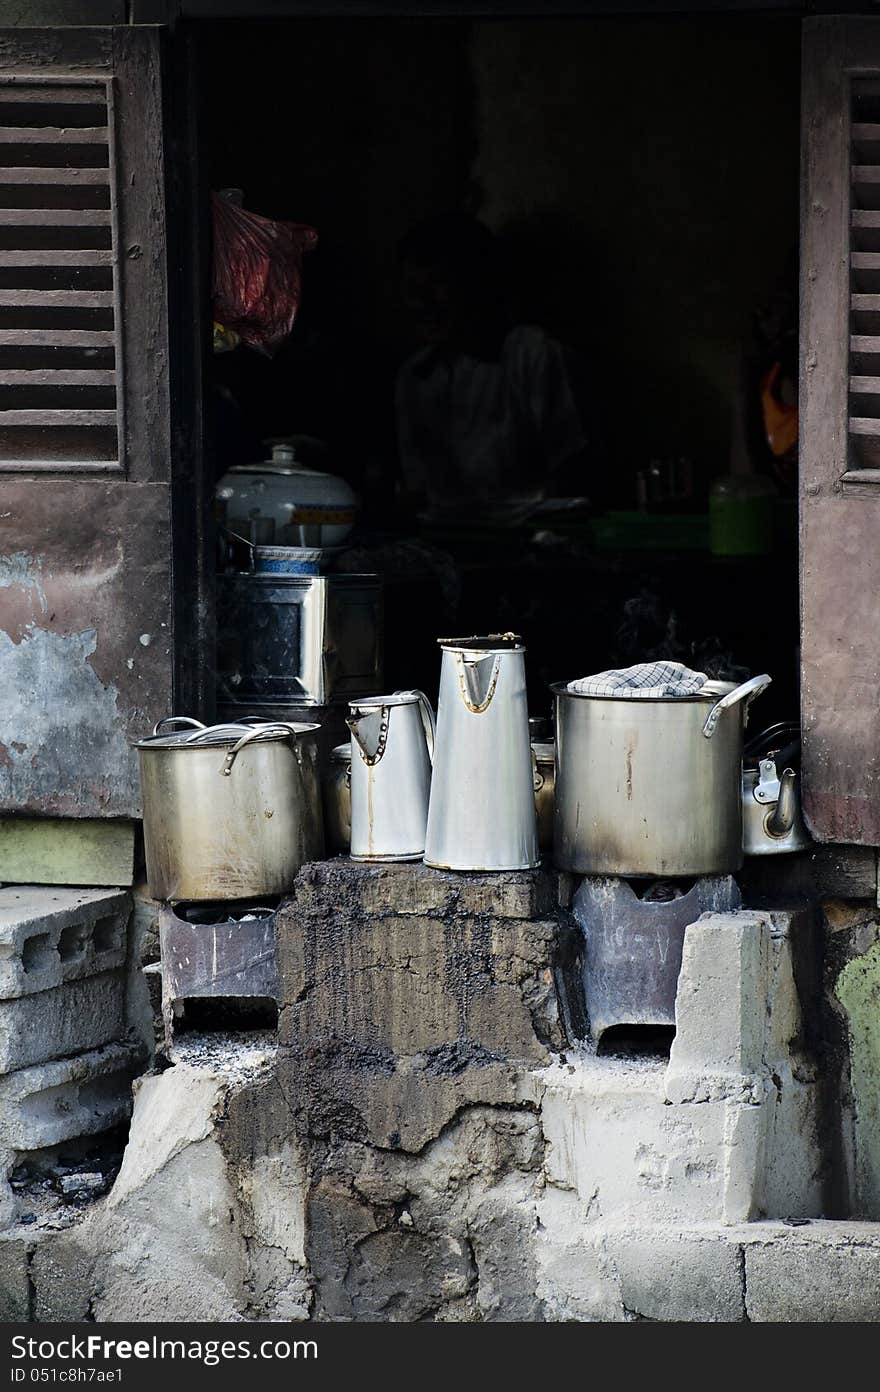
{"x":230,"y":811}
{"x":651,"y":786}
{"x":310,"y":508}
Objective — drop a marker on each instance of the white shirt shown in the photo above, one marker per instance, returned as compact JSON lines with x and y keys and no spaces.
{"x":472,"y":431}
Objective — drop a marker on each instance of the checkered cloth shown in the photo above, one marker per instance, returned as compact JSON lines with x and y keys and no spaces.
{"x":642,"y":682}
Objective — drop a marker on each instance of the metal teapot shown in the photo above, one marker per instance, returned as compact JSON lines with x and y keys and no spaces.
{"x":392,"y":751}
{"x":773,"y":823}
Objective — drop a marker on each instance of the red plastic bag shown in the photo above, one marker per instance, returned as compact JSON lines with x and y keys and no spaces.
{"x":257,"y":273}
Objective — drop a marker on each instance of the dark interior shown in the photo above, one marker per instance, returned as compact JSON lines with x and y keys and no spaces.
{"x":641,"y":177}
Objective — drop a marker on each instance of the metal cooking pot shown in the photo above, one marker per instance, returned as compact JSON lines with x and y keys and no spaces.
{"x":651,"y":787}
{"x":336,"y":797}
{"x":230,"y":811}
{"x":773,"y":823}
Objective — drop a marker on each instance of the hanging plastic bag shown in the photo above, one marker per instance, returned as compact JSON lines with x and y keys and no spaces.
{"x":257,"y":274}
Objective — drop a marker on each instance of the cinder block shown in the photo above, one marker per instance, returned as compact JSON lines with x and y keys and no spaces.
{"x":71,"y":1018}
{"x":416,"y":889}
{"x":50,"y":936}
{"x":54,"y":1102}
{"x":824,"y":1272}
{"x":678,"y":1276}
{"x":721,"y":1010}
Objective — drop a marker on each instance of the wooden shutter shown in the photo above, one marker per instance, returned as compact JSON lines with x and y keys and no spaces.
{"x":87,"y":454}
{"x":840,"y":428}
{"x":60,"y":365}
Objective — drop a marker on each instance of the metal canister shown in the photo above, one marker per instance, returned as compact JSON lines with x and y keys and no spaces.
{"x":336,"y":789}
{"x":544,"y":752}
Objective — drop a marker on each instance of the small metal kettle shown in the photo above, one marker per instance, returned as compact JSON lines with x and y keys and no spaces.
{"x":392,"y":751}
{"x":773,"y":823}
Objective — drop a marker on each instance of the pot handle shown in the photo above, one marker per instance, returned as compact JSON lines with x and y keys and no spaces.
{"x":537,"y":775}
{"x":746,"y":692}
{"x":177,"y":720}
{"x":246,"y":739}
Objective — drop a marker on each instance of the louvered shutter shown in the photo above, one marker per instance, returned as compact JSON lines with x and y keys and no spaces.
{"x":90,"y":474}
{"x":864,"y":380}
{"x":60,"y":367}
{"x":839,"y":436}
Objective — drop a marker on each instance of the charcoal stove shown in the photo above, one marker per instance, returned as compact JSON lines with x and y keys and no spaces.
{"x":633,"y":939}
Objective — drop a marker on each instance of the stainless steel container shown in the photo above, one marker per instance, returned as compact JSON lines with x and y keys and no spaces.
{"x":303,"y":640}
{"x":650,"y":787}
{"x":544,"y":752}
{"x":230,"y":812}
{"x":482,"y":809}
{"x":392,"y":748}
{"x":336,"y":799}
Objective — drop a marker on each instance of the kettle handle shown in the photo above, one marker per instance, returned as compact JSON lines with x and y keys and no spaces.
{"x":426,"y":711}
{"x":467,"y":695}
{"x":747,"y":691}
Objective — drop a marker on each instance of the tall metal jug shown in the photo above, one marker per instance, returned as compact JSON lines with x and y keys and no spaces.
{"x":482,"y":809}
{"x":392,"y":749}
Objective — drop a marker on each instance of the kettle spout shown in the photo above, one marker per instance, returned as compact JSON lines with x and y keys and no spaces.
{"x":782,"y":818}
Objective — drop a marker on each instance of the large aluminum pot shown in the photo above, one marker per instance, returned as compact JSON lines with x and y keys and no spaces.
{"x":231,"y":811}
{"x":481,"y":814}
{"x":651,"y":787}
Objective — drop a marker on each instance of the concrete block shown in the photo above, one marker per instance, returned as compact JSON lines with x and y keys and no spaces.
{"x":63,"y":1276}
{"x":15,"y":1284}
{"x":50,"y":936}
{"x":576,"y":1281}
{"x":411,"y":985}
{"x":858,"y":990}
{"x":66,"y":851}
{"x":613,"y":1140}
{"x":416,"y":889}
{"x":76,"y":1016}
{"x":721,"y":1010}
{"x":685,"y":1276}
{"x":824,"y":1272}
{"x":54,"y":1102}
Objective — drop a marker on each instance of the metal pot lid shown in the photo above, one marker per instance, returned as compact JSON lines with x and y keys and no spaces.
{"x":340,"y":753}
{"x":485,"y":643}
{"x":224,"y":736}
{"x":545,"y":750}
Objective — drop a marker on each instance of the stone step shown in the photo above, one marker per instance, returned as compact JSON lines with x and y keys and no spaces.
{"x":66,"y":851}
{"x":51,"y":936}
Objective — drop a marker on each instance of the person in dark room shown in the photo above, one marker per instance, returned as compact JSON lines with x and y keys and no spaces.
{"x":487,"y":418}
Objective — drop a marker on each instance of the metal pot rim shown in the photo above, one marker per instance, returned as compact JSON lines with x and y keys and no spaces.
{"x":177,"y":743}
{"x":708,"y":693}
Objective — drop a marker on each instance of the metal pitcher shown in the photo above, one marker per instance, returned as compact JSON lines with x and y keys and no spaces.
{"x":392,"y":749}
{"x":482,"y":809}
